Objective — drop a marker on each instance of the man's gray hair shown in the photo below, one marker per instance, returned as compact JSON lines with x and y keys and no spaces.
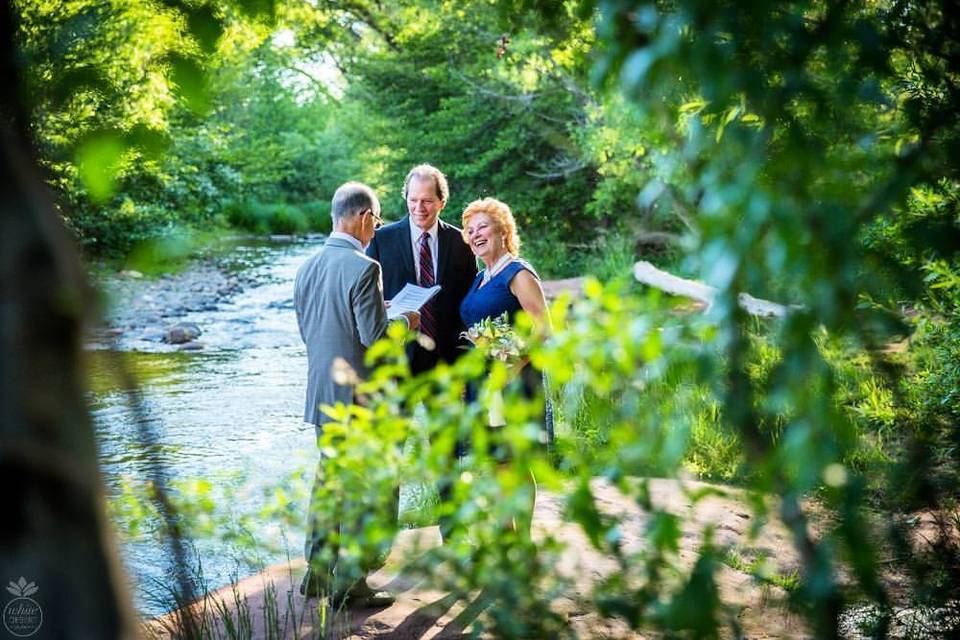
{"x":350,"y":199}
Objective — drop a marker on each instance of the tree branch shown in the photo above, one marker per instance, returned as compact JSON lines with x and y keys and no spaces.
{"x":317,"y":83}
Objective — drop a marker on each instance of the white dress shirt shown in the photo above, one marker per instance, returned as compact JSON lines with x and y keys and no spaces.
{"x":415,"y":233}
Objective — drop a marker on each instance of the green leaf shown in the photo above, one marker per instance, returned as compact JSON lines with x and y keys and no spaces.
{"x":583,"y":510}
{"x":265,"y":9}
{"x":205,"y":27}
{"x":694,"y":106}
{"x":98,"y":159}
{"x":664,"y":532}
{"x":191,"y":82}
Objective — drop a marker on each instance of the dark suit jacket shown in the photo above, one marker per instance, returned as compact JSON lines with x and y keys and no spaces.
{"x":456,"y":270}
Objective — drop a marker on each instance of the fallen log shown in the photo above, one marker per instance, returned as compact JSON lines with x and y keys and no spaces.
{"x":648,"y":274}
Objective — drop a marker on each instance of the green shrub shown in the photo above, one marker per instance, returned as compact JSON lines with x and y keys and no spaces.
{"x":264,"y":218}
{"x":318,"y":215}
{"x":612,"y":258}
{"x":935,"y":385}
{"x":286,"y":218}
{"x":114,"y":230}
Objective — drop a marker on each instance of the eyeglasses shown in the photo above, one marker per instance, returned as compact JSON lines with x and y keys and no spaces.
{"x":377,"y":220}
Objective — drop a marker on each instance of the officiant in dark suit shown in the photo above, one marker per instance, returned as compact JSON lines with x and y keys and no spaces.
{"x":423,"y":250}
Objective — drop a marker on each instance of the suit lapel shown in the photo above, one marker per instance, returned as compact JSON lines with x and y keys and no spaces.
{"x":406,"y":251}
{"x":444,"y":238}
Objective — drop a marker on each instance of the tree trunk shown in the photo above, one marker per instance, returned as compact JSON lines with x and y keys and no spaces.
{"x":56,"y":534}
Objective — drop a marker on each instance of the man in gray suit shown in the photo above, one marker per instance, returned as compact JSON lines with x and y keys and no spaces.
{"x":338,"y":297}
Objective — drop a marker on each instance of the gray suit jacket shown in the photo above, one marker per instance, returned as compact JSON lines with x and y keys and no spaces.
{"x":338,"y":296}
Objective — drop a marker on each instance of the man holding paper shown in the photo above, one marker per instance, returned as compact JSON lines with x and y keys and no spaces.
{"x":410,"y":298}
{"x":424,"y":251}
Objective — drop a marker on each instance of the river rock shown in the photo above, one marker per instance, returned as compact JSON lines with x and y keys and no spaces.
{"x":153,"y":334}
{"x":193,"y":345}
{"x":182,"y":332}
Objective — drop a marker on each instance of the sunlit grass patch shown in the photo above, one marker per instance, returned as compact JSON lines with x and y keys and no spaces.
{"x":762,"y":567}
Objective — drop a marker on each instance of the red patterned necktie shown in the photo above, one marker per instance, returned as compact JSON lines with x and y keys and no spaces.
{"x":428,"y":323}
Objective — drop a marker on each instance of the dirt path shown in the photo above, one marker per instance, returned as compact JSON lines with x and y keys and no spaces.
{"x":423,"y":612}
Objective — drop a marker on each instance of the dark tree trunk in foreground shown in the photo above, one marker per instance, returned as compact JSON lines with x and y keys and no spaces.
{"x":55,"y":533}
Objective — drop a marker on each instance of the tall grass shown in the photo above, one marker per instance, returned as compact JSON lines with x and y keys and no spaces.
{"x":605,"y":256}
{"x":228,"y":615}
{"x":278,"y":217}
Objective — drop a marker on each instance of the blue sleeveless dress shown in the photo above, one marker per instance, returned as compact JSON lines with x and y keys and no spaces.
{"x":492,"y":300}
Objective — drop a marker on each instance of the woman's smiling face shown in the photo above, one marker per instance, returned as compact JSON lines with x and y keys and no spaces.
{"x":484,"y":237}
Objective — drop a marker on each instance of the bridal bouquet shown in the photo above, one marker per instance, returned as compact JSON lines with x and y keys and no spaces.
{"x":496,"y":338}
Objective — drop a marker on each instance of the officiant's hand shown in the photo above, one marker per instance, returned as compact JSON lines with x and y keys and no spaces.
{"x":413,"y":319}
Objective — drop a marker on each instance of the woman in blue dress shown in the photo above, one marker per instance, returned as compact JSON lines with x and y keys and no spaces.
{"x":507,"y":285}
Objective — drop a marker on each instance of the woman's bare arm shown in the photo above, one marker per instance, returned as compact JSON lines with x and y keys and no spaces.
{"x":528,"y":291}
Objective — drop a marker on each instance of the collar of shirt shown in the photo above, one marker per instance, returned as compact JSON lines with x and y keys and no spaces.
{"x":433,"y":232}
{"x":416,"y":232}
{"x":349,"y":238}
{"x":497,"y":267}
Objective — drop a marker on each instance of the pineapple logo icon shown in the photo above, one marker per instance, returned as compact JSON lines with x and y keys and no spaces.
{"x":22,"y":616}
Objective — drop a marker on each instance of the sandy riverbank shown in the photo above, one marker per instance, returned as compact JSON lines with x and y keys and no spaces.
{"x":422,"y":611}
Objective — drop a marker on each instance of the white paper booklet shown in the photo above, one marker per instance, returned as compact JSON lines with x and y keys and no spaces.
{"x":410,"y":298}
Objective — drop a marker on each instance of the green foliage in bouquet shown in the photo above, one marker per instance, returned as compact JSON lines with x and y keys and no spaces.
{"x":497,"y":339}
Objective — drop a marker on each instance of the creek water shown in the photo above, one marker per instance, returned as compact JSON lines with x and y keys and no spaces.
{"x":227,"y":417}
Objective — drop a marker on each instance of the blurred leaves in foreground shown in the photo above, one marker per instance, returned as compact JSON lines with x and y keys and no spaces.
{"x":804,"y":152}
